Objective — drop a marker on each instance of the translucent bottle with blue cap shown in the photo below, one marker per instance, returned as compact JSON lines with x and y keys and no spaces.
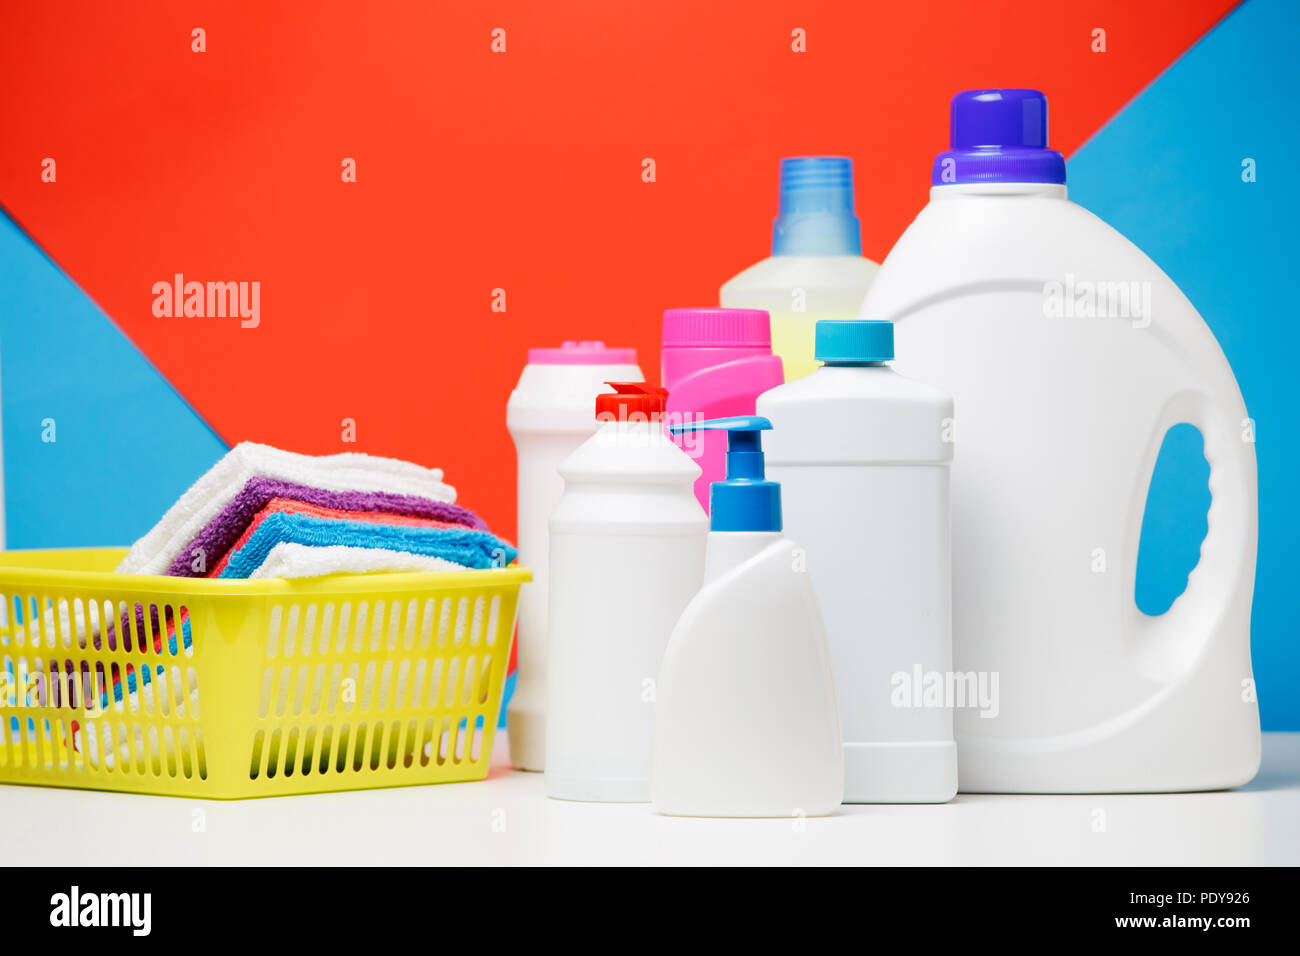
{"x":863,"y":456}
{"x":746,"y":719}
{"x":816,"y":269}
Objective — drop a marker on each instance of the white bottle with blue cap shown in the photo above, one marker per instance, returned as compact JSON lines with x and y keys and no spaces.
{"x":863,"y":456}
{"x":816,"y":269}
{"x":746,"y":721}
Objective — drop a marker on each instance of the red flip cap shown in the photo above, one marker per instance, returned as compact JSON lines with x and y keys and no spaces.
{"x":631,"y":402}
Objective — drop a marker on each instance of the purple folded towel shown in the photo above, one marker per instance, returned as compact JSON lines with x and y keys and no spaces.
{"x":221,"y":533}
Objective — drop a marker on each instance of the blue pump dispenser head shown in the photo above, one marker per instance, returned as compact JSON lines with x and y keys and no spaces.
{"x":745,"y":500}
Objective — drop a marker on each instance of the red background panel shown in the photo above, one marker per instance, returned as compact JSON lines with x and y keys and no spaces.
{"x":478,"y":170}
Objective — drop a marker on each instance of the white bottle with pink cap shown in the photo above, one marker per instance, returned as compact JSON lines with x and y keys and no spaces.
{"x":549,"y":416}
{"x":715,"y":363}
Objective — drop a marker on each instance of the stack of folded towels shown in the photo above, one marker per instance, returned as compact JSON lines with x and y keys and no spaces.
{"x":265,"y":513}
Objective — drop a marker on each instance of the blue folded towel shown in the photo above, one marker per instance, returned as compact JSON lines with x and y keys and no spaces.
{"x":468,"y":547}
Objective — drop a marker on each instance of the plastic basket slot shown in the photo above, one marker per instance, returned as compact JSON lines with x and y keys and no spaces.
{"x":464,"y":733}
{"x":282,"y":690}
{"x":317,"y":690}
{"x":469,"y":681}
{"x":427,"y":736}
{"x":187,"y":761}
{"x":326,"y":629}
{"x":421,"y":671}
{"x":308,"y":629}
{"x":394,"y":743}
{"x":170,"y":749}
{"x":308,"y":749}
{"x":268,"y":688}
{"x":335,"y":688}
{"x":273,"y":754}
{"x":377,"y":744}
{"x":494,"y":619}
{"x":445,"y":623}
{"x":341,"y":749}
{"x":192,"y":698}
{"x":200,"y":754}
{"x":385,"y":685}
{"x":368,"y":687}
{"x":300,"y":690}
{"x":453,"y":682}
{"x":343,"y":630}
{"x":428,"y":622}
{"x":437,"y":673}
{"x":359,"y":749}
{"x":478,"y":622}
{"x":155,"y":752}
{"x":412,"y":742}
{"x":462,"y":622}
{"x":394,"y":625}
{"x":402,"y":684}
{"x":255,"y":762}
{"x":359,"y":628}
{"x":292,"y":624}
{"x":476,"y":740}
{"x":411,"y":620}
{"x":326,"y":748}
{"x":291,"y":751}
{"x":484,"y":681}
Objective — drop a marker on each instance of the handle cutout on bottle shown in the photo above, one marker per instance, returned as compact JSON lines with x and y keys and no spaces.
{"x":1174,"y":520}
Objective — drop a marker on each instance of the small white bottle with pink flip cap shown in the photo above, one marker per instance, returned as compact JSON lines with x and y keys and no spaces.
{"x":548,"y":415}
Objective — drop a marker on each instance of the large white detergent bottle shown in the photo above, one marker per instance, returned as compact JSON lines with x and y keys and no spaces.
{"x":549,"y":415}
{"x":746,"y":723}
{"x":1069,"y":355}
{"x":816,"y":270}
{"x":862,"y":455}
{"x":627,"y":554}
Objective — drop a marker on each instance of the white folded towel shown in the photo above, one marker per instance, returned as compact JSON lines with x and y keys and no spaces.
{"x":207,"y":497}
{"x":291,"y":560}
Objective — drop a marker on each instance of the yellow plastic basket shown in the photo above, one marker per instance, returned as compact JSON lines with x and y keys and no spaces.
{"x":228,"y":689}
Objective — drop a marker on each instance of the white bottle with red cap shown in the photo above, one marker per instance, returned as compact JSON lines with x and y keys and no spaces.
{"x":549,"y":415}
{"x":627,"y":555}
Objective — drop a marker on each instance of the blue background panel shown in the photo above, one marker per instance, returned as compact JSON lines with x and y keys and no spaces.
{"x":126,"y":444}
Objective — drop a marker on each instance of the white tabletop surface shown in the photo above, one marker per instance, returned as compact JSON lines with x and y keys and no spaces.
{"x":506,"y":819}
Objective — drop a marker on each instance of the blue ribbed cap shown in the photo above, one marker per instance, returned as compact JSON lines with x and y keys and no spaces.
{"x":854,"y":341}
{"x":998,"y":136}
{"x":816,"y":214}
{"x":745,"y":500}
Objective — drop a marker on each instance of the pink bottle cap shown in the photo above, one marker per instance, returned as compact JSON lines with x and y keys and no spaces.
{"x":717,"y":328}
{"x":582,"y":353}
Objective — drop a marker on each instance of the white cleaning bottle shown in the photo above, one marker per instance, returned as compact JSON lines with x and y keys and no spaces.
{"x":627,"y":554}
{"x":746,"y":723}
{"x":1069,"y":355}
{"x":549,"y":415}
{"x":816,"y":270}
{"x":862,"y":456}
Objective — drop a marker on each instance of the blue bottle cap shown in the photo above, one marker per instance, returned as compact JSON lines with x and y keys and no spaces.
{"x":854,"y":341}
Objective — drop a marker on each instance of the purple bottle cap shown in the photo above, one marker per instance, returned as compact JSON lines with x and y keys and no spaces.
{"x":582,"y":353}
{"x":998,"y":136}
